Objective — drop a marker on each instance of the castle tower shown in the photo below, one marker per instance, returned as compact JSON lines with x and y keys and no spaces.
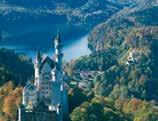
{"x":58,"y":52}
{"x":57,"y":72}
{"x":57,"y":77}
{"x":38,"y":62}
{"x":59,"y":92}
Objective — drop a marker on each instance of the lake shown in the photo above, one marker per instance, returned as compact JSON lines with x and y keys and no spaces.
{"x":73,"y":50}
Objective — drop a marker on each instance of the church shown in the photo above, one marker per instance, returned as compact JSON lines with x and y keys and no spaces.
{"x":46,"y":98}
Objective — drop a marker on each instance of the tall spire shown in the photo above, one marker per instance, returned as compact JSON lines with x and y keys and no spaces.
{"x":38,"y":57}
{"x":58,"y":38}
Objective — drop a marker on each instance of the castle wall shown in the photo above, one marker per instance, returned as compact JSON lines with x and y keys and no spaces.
{"x":37,"y":116}
{"x":45,"y":84}
{"x":56,"y":93}
{"x":65,"y":104}
{"x":30,"y":96}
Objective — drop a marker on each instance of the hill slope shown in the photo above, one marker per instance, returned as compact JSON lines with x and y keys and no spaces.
{"x":132,"y":34}
{"x":13,"y":67}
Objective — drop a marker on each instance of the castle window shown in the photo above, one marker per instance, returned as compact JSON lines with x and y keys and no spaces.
{"x":46,"y":77}
{"x":46,"y":73}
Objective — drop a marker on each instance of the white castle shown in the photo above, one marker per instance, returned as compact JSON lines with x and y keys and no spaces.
{"x":48,"y":86}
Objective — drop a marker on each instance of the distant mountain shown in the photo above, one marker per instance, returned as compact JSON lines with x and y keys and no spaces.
{"x":35,"y":21}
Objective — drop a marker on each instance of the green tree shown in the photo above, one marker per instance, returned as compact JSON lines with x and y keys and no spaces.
{"x":75,"y":97}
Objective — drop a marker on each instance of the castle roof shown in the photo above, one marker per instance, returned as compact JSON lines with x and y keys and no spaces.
{"x":49,"y":61}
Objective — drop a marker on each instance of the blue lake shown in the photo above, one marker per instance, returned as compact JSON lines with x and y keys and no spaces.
{"x":73,"y":50}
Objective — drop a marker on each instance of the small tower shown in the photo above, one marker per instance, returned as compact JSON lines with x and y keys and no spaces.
{"x":38,"y":62}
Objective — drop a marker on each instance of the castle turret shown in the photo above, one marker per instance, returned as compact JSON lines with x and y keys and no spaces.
{"x":59,"y":92}
{"x":58,"y":52}
{"x":37,"y":65}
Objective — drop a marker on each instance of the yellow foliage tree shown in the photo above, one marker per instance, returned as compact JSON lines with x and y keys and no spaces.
{"x":2,"y":118}
{"x":10,"y":106}
{"x":10,"y":100}
{"x":8,"y":88}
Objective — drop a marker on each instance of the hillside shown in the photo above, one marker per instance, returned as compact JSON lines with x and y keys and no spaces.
{"x":132,"y":32}
{"x":15,"y":68}
{"x":40,"y":19}
{"x":143,"y":15}
{"x":120,"y":25}
{"x":124,"y":58}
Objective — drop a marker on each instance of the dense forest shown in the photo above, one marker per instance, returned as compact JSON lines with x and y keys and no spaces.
{"x":13,"y":67}
{"x":124,"y":50}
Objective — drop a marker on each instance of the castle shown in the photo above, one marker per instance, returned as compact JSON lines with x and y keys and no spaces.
{"x":46,"y":98}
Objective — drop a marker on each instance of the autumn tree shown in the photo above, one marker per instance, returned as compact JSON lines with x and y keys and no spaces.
{"x":10,"y":98}
{"x":10,"y":106}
